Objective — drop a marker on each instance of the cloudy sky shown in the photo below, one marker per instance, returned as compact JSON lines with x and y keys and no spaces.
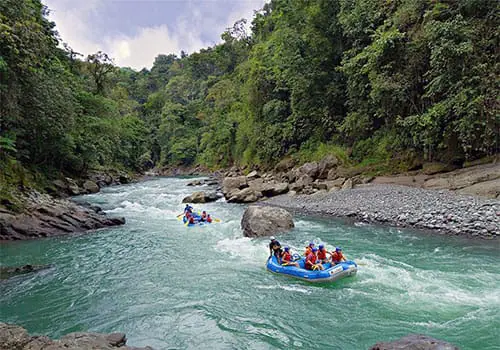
{"x":134,"y":32}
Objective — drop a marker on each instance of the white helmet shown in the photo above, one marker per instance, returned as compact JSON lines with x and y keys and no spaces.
{"x":272,"y":238}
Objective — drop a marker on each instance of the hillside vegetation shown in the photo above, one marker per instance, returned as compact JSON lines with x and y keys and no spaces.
{"x":393,"y":82}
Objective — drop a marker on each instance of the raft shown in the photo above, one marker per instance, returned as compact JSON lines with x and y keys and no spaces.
{"x":329,"y":274}
{"x":197,"y":218}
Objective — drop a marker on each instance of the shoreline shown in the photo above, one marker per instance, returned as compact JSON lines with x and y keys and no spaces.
{"x":445,"y":212}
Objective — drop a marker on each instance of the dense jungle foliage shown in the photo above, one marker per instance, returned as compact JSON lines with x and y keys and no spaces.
{"x":372,"y":80}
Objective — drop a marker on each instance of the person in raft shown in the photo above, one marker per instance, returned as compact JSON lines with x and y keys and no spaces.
{"x":322,"y":254}
{"x":309,"y":249}
{"x":312,"y":262}
{"x":190,"y":218}
{"x":337,"y":256}
{"x":188,"y":209}
{"x":286,"y":258}
{"x":274,"y":248}
{"x":209,"y":219}
{"x":203,"y":216}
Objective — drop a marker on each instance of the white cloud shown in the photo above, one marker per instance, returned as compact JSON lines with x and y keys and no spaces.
{"x":74,"y":22}
{"x":72,"y":25}
{"x":140,"y":50}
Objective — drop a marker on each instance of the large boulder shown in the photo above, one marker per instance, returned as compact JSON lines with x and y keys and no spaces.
{"x":414,"y":342}
{"x":90,"y":186}
{"x":284,"y":165}
{"x":253,"y":175}
{"x":201,"y":197}
{"x":309,"y":169}
{"x":258,"y":221}
{"x":325,"y":165}
{"x":348,"y":185}
{"x":67,"y":187}
{"x":246,"y":195}
{"x":490,"y":189}
{"x":232,"y":184}
{"x":273,"y":189}
{"x":16,"y":337}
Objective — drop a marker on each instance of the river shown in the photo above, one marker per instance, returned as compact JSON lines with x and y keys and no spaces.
{"x":176,"y":287}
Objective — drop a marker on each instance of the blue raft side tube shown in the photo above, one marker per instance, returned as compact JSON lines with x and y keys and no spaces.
{"x":329,"y":274}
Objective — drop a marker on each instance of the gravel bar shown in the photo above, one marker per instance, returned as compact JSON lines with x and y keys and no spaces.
{"x":401,"y":206}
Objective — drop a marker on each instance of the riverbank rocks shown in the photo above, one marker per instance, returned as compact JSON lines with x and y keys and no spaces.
{"x":258,"y":221}
{"x":15,"y":337}
{"x":45,"y":216}
{"x":483,"y":180}
{"x":442,"y":211}
{"x":207,"y":182}
{"x":90,"y":186}
{"x":233,"y":184}
{"x":201,"y":197}
{"x":11,"y":271}
{"x":67,"y":187}
{"x":414,"y":342}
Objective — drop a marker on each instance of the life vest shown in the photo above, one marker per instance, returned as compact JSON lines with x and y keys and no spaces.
{"x":310,"y":261}
{"x":322,"y":254}
{"x":287,"y":257}
{"x":209,"y":219}
{"x":337,"y":257}
{"x":191,"y":220}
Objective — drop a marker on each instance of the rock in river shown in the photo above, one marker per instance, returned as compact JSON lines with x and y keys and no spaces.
{"x":11,"y":271}
{"x":414,"y":342}
{"x":201,"y":197}
{"x":260,"y":221}
{"x":45,"y":216}
{"x":16,"y":337}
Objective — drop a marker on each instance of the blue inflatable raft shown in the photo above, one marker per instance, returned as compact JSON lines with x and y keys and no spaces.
{"x":197,"y":220}
{"x":329,"y":274}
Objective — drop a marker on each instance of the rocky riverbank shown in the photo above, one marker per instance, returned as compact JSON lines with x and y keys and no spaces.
{"x":45,"y":216}
{"x":444,"y":211}
{"x":16,"y":337}
{"x":460,"y":202}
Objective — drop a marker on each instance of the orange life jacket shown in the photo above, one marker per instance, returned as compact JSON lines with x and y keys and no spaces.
{"x":337,"y":257}
{"x":322,"y":254}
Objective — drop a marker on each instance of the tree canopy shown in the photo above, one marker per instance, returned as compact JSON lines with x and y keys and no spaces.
{"x":380,"y":80}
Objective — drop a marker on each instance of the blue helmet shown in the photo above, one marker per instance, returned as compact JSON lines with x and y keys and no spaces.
{"x":338,"y":249}
{"x":315,"y":249}
{"x":311,"y":243}
{"x":321,"y":246}
{"x":287,"y":249}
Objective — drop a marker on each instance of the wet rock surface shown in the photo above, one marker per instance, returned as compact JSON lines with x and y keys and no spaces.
{"x":11,"y":271}
{"x":259,"y":221}
{"x":45,"y":216}
{"x":201,"y":197}
{"x":16,"y":337}
{"x":444,"y":211}
{"x":414,"y":342}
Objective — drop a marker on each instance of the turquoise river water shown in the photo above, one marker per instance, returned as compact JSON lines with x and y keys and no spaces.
{"x":176,"y":287}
